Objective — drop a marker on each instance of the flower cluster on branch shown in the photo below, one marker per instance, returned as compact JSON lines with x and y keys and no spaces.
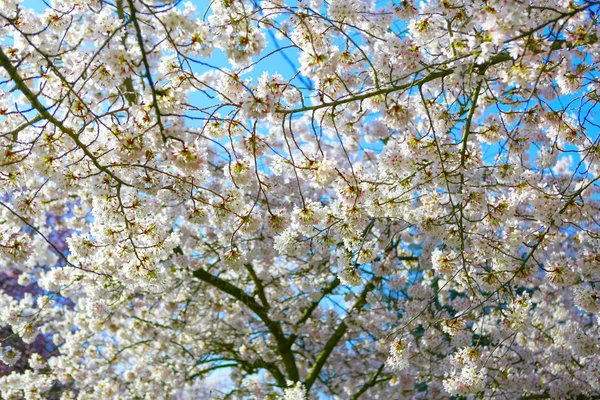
{"x":300,"y":199}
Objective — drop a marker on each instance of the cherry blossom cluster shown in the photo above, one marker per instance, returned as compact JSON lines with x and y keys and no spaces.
{"x":300,"y":199}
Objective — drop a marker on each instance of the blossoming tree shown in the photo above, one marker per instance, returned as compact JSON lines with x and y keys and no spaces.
{"x":411,"y":212}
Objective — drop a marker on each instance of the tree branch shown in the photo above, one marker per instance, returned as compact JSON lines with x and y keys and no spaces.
{"x":129,"y":94}
{"x":335,"y":338}
{"x":283,"y":346}
{"x":140,"y":40}
{"x":20,"y":84}
{"x":260,"y":289}
{"x":480,"y":68}
{"x":327,"y":290}
{"x":369,"y":384}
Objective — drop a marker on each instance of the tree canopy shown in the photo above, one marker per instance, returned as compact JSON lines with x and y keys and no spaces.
{"x":311,"y":199}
